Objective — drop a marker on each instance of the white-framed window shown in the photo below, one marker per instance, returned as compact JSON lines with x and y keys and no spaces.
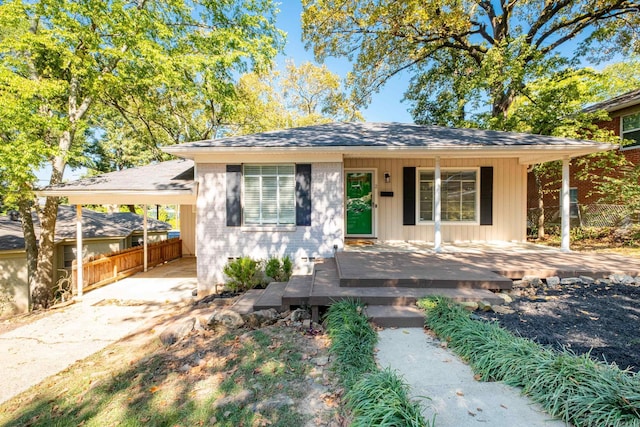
{"x":573,"y":202}
{"x":631,"y":127}
{"x":269,"y":195}
{"x":458,"y":196}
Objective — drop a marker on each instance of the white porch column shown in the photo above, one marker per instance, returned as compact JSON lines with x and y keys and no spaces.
{"x":144,"y":237}
{"x":79,"y":254}
{"x":566,"y":206}
{"x":437,"y":234}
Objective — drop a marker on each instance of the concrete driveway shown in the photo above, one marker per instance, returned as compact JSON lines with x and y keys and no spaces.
{"x":42,"y":348}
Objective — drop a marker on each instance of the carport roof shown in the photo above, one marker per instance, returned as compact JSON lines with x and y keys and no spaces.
{"x":170,"y":182}
{"x":96,"y":225}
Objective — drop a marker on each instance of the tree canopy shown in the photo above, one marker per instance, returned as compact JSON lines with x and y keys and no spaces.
{"x":300,"y":96}
{"x":460,"y":53}
{"x":67,"y":66}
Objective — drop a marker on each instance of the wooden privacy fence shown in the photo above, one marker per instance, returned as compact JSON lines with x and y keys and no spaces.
{"x":103,"y":269}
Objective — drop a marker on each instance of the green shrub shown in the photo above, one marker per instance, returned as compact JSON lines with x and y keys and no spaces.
{"x":581,"y":391}
{"x":243,"y":274}
{"x":279,"y":270}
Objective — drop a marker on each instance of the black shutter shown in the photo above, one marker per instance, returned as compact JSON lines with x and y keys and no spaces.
{"x":486,"y":195}
{"x":303,"y":194}
{"x":234,"y":195}
{"x":409,"y":196}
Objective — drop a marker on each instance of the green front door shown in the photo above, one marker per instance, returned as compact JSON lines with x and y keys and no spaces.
{"x":360,"y":205}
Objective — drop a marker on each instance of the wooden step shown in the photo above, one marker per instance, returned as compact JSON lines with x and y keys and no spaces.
{"x":408,"y":270}
{"x":297,"y":291}
{"x":271,"y":297}
{"x":244,"y":304}
{"x":497,"y":282}
{"x":393,"y":316}
{"x":326,"y":289}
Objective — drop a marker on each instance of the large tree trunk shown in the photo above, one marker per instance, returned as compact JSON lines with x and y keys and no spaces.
{"x":31,"y":243}
{"x":41,"y":292}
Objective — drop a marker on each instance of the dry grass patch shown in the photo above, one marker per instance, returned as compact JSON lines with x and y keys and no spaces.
{"x":226,"y":378}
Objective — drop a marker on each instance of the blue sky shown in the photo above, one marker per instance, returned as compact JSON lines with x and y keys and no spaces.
{"x":385,"y":105}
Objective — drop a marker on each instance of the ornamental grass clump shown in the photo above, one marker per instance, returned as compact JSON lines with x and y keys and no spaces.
{"x":376,"y":398}
{"x":381,"y":398}
{"x":578,"y":389}
{"x":352,"y":341}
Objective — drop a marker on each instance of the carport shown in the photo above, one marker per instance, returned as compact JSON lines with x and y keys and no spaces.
{"x":164,"y":183}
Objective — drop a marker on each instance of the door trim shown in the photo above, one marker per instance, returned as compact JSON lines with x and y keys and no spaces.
{"x":374,"y":202}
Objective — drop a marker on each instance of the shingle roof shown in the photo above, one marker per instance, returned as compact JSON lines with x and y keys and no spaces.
{"x":390,"y":135}
{"x":172,"y":175}
{"x":94,"y":225}
{"x":619,"y":102}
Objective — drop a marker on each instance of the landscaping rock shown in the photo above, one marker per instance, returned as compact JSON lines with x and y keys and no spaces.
{"x":553,"y":281}
{"x":275,"y":402}
{"x":520,"y":284}
{"x":228,"y":318}
{"x":261,"y":318}
{"x":177,"y":331}
{"x":484,"y":306}
{"x":299,"y":314}
{"x":239,"y":399}
{"x":532,"y":280}
{"x":501,"y":309}
{"x":621,"y":279}
{"x":469,"y":305}
{"x":569,"y":281}
{"x":505,"y":297}
{"x":587,"y":280}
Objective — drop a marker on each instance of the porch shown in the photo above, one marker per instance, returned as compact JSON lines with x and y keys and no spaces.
{"x":390,"y":277}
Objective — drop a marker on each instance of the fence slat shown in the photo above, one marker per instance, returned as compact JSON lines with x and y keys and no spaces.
{"x":107,"y":268}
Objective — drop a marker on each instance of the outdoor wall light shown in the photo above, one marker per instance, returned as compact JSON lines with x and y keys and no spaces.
{"x":387,"y":177}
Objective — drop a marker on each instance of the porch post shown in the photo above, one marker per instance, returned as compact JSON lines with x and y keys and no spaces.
{"x":80,"y":278}
{"x":566,"y":206}
{"x":437,"y":237}
{"x":144,"y":237}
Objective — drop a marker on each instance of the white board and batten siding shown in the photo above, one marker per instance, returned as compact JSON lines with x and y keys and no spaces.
{"x":509,"y":201}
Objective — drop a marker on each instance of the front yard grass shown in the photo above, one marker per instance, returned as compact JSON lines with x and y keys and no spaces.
{"x":577,"y":389}
{"x":210,"y":378}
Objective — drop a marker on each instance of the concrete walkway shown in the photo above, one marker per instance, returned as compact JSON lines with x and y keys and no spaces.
{"x":37,"y":350}
{"x":457,"y":398}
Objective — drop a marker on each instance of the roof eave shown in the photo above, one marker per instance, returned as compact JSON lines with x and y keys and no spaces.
{"x":552,"y":152}
{"x":123,"y":197}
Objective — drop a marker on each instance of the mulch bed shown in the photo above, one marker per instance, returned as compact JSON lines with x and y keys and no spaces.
{"x":603,"y":319}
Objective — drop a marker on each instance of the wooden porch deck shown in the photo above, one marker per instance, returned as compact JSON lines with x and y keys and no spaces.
{"x":389,"y":282}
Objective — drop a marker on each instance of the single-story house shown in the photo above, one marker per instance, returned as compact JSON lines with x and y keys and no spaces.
{"x":624,"y":122}
{"x":102,"y":233}
{"x":301,"y":192}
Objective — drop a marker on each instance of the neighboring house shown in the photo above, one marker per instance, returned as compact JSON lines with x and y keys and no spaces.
{"x":102,"y":233}
{"x":624,"y":114}
{"x":301,"y":192}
